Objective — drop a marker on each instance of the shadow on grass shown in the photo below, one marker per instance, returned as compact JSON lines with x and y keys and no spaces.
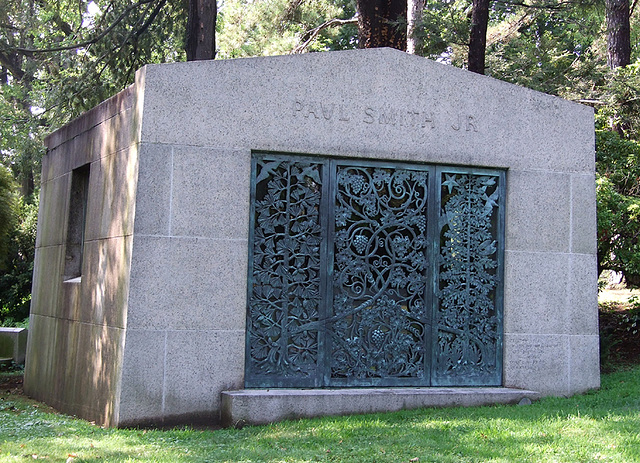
{"x":600,"y":425}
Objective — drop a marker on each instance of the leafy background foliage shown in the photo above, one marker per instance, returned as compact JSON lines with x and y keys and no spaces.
{"x":618,"y":193}
{"x":60,"y":58}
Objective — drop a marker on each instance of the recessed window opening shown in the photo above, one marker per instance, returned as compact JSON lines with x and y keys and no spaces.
{"x":76,"y":223}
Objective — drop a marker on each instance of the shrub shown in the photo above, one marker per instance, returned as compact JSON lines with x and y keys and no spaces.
{"x":618,"y":194}
{"x":15,"y":280}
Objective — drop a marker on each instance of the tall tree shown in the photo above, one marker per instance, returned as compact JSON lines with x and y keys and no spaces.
{"x":201,"y":30}
{"x":618,"y":51}
{"x":618,"y":33}
{"x":379,"y":23}
{"x":554,"y":46}
{"x":478,"y":35}
{"x":62,"y":57}
{"x":414,"y":17}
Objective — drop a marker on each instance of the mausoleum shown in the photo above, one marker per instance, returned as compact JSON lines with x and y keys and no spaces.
{"x":257,"y":239}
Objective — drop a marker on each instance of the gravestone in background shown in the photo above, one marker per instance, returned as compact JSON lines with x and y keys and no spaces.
{"x":13,"y":344}
{"x":350,"y":189}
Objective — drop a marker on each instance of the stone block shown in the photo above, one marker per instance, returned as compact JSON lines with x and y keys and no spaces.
{"x":78,"y":151}
{"x":70,"y":371}
{"x":563,"y":137}
{"x":536,"y":292}
{"x":49,"y":164}
{"x":143,"y":377}
{"x":105,"y":110}
{"x":73,"y":366}
{"x":539,"y":362}
{"x":260,"y":406}
{"x":38,"y":359}
{"x":48,"y":267}
{"x":199,"y":366}
{"x":582,"y":305}
{"x":45,"y":359}
{"x":105,"y":281}
{"x":153,"y":196}
{"x":70,"y":307}
{"x":583,"y":214}
{"x":584,"y":364}
{"x":111,"y":204}
{"x":187,"y":284}
{"x":539,"y":211}
{"x":13,"y":343}
{"x":116,"y":133}
{"x":92,"y":371}
{"x":54,"y":211}
{"x":210,"y":194}
{"x":91,"y":143}
{"x":100,"y":132}
{"x":67,"y":156}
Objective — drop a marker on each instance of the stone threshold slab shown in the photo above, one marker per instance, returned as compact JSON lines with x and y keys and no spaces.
{"x":264,"y":406}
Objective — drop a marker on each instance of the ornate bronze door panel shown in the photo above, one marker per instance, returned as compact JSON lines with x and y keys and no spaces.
{"x":467,"y":317}
{"x":373,"y":274}
{"x":379,"y":327}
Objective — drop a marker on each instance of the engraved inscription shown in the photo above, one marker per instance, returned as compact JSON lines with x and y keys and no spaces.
{"x":466,"y":122}
{"x":385,"y":116}
{"x":321,"y":110}
{"x":401,"y":118}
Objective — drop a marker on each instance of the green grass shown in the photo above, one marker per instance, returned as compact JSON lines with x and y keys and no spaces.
{"x":598,"y":426}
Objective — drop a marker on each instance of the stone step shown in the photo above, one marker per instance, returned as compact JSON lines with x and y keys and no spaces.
{"x":264,"y":406}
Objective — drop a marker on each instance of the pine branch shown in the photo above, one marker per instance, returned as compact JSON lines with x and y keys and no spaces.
{"x":311,"y":35}
{"x":562,"y":5}
{"x":100,"y":61}
{"x":86,"y":43}
{"x":151,"y":18}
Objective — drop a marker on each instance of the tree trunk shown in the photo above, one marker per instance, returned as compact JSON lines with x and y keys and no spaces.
{"x":201,"y":30}
{"x":378,"y":23}
{"x":618,"y":33}
{"x":414,"y":16}
{"x":27,"y":184}
{"x":618,"y":46}
{"x":478,"y":35}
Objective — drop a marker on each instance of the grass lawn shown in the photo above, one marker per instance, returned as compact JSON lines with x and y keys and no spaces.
{"x":598,"y":426}
{"x":620,"y":295}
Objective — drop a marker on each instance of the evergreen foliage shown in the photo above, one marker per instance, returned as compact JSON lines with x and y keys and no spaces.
{"x":7,"y":211}
{"x":59,"y":58}
{"x":272,"y":27}
{"x":618,"y":192}
{"x":16,"y":277}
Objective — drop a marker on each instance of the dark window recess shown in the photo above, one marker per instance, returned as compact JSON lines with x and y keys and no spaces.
{"x":367,"y":273}
{"x":76,"y":223}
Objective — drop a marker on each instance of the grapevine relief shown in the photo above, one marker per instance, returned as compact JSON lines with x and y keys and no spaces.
{"x":351,"y":284}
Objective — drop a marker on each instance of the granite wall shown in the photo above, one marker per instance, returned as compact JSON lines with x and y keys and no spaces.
{"x":77,"y":322}
{"x":155,"y":329}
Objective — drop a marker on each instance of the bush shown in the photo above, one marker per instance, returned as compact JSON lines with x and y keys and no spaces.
{"x":7,"y":212}
{"x":619,"y":334}
{"x":15,"y":280}
{"x":618,"y":194}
